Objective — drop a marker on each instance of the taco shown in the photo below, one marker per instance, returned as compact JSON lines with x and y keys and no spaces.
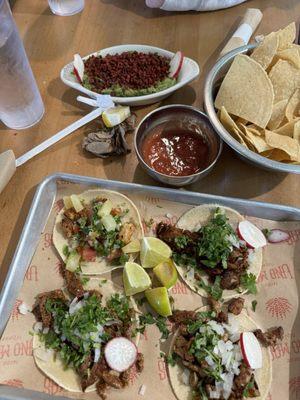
{"x":72,"y":334}
{"x":208,"y":253}
{"x":93,"y":227}
{"x":208,"y":356}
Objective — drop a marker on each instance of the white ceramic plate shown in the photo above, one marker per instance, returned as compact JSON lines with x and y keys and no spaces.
{"x":189,"y":71}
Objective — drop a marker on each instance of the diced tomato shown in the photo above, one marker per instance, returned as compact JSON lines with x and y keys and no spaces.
{"x":88,"y":254}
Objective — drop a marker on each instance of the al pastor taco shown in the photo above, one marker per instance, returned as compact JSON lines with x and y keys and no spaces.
{"x":209,"y":254}
{"x":93,"y":228}
{"x":88,"y":342}
{"x":217,"y":355}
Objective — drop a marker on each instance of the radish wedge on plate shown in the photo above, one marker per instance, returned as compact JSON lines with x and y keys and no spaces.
{"x":120,"y":354}
{"x":253,"y":236}
{"x":176,"y":64}
{"x":78,"y":67}
{"x":251,"y":350}
{"x":277,"y":236}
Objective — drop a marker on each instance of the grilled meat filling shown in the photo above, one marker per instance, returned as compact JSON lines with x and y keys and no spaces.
{"x":271,"y":337}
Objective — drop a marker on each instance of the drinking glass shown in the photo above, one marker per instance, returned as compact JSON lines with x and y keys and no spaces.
{"x":66,"y":7}
{"x":21,"y":105}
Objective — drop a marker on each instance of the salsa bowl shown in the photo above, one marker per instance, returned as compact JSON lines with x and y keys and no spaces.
{"x":169,"y":115}
{"x":189,"y":71}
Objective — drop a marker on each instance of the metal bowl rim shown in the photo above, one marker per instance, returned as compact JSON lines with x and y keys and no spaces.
{"x":222,"y":132}
{"x":207,"y":169}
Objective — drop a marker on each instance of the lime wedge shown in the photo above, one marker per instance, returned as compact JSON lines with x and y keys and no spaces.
{"x":159,"y":300}
{"x":132,"y":247}
{"x":135,"y":279}
{"x":153,"y":252}
{"x":114,"y":116}
{"x":166,"y":273}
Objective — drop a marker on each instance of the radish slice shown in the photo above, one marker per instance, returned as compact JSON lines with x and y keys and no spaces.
{"x":78,"y":67}
{"x":120,"y":354}
{"x":176,"y":64}
{"x":253,"y":236}
{"x":251,"y":350}
{"x":277,"y":236}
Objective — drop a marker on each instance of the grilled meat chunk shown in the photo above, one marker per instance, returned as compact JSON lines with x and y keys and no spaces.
{"x":39,"y":309}
{"x":169,"y":233}
{"x":230,"y":280}
{"x":112,"y":379}
{"x":199,"y":369}
{"x":244,"y":377}
{"x":74,"y":284}
{"x":139,"y":362}
{"x":238,"y":260}
{"x":101,"y":388}
{"x":181,"y":348}
{"x":126,"y":232}
{"x":184,"y":317}
{"x":236,"y":305}
{"x":222,"y":316}
{"x":69,"y":227}
{"x":271,"y":337}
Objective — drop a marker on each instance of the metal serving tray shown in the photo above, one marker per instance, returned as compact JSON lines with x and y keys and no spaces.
{"x":42,"y":203}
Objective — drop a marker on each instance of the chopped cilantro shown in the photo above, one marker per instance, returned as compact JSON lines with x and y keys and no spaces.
{"x":266,"y":232}
{"x":159,"y":321}
{"x":124,"y":258}
{"x":171,"y":359}
{"x":202,"y":316}
{"x":181,"y":241}
{"x":215,"y":246}
{"x":254,"y":304}
{"x":214,"y":290}
{"x":248,"y":282}
{"x":149,"y":223}
{"x":141,"y":301}
{"x":250,"y":385}
{"x":66,"y":251}
{"x":85,"y":280}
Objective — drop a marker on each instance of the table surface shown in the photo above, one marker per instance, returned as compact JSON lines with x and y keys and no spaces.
{"x":51,"y":41}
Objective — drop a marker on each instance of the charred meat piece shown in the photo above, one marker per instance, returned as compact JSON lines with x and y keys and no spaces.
{"x":230,"y":280}
{"x":199,"y":369}
{"x":214,"y":304}
{"x":113,"y":330}
{"x":254,"y":390}
{"x":126,"y":232}
{"x":238,"y":260}
{"x":69,"y":227}
{"x":236,"y":305}
{"x":94,"y":292}
{"x":39,"y":309}
{"x":71,"y":214}
{"x":271,"y":337}
{"x":169,"y":233}
{"x":139,"y":362}
{"x":222,"y":317}
{"x":101,"y":390}
{"x":125,"y":377}
{"x":112,"y":379}
{"x":88,"y":375}
{"x":74,"y":284}
{"x":244,"y":377}
{"x":181,"y":348}
{"x":183,"y":317}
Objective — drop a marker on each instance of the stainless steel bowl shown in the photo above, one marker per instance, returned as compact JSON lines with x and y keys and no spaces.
{"x":177,"y":113}
{"x":211,"y":87}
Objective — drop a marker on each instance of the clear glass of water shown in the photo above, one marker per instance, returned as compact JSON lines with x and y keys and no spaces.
{"x":21,"y":105}
{"x":66,"y":7}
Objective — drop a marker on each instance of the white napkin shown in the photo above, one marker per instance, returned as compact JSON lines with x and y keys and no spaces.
{"x":196,"y":5}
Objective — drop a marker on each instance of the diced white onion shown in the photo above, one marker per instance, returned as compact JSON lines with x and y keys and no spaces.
{"x":218,"y":328}
{"x":97,"y":355}
{"x":142,"y":390}
{"x":38,"y":327}
{"x":74,"y":306}
{"x":24,"y":309}
{"x":45,"y":330}
{"x":185,"y":376}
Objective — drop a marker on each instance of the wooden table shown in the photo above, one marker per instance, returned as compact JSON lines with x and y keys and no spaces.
{"x":51,"y":41}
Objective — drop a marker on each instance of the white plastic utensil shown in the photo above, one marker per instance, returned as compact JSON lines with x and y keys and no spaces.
{"x":9,"y":163}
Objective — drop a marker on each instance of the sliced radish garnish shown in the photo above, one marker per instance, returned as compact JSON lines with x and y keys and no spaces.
{"x":277,"y":236}
{"x":251,"y":350}
{"x":176,"y":64}
{"x":253,"y":236}
{"x":78,"y":67}
{"x":120,"y":354}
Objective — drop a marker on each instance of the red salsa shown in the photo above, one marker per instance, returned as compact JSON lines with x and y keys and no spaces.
{"x":177,"y":152}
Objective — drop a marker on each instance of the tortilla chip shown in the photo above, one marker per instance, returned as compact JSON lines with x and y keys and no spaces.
{"x":291,"y":55}
{"x":287,"y":129}
{"x":247,"y":91}
{"x":293,"y":106}
{"x":285,"y":143}
{"x":265,"y":52}
{"x":296,"y":134}
{"x":230,"y":125}
{"x":286,"y":36}
{"x":278,"y":114}
{"x":285,"y":79}
{"x":258,"y":142}
{"x":255,"y":130}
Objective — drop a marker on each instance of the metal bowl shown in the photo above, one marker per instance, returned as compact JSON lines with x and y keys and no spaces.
{"x":211,"y":87}
{"x":177,"y":113}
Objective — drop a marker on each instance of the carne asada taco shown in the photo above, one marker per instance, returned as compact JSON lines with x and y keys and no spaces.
{"x":209,"y":255}
{"x":93,"y":227}
{"x":72,"y":336}
{"x":216,"y":355}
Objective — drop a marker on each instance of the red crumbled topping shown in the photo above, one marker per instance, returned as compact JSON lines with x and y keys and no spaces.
{"x":130,"y":70}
